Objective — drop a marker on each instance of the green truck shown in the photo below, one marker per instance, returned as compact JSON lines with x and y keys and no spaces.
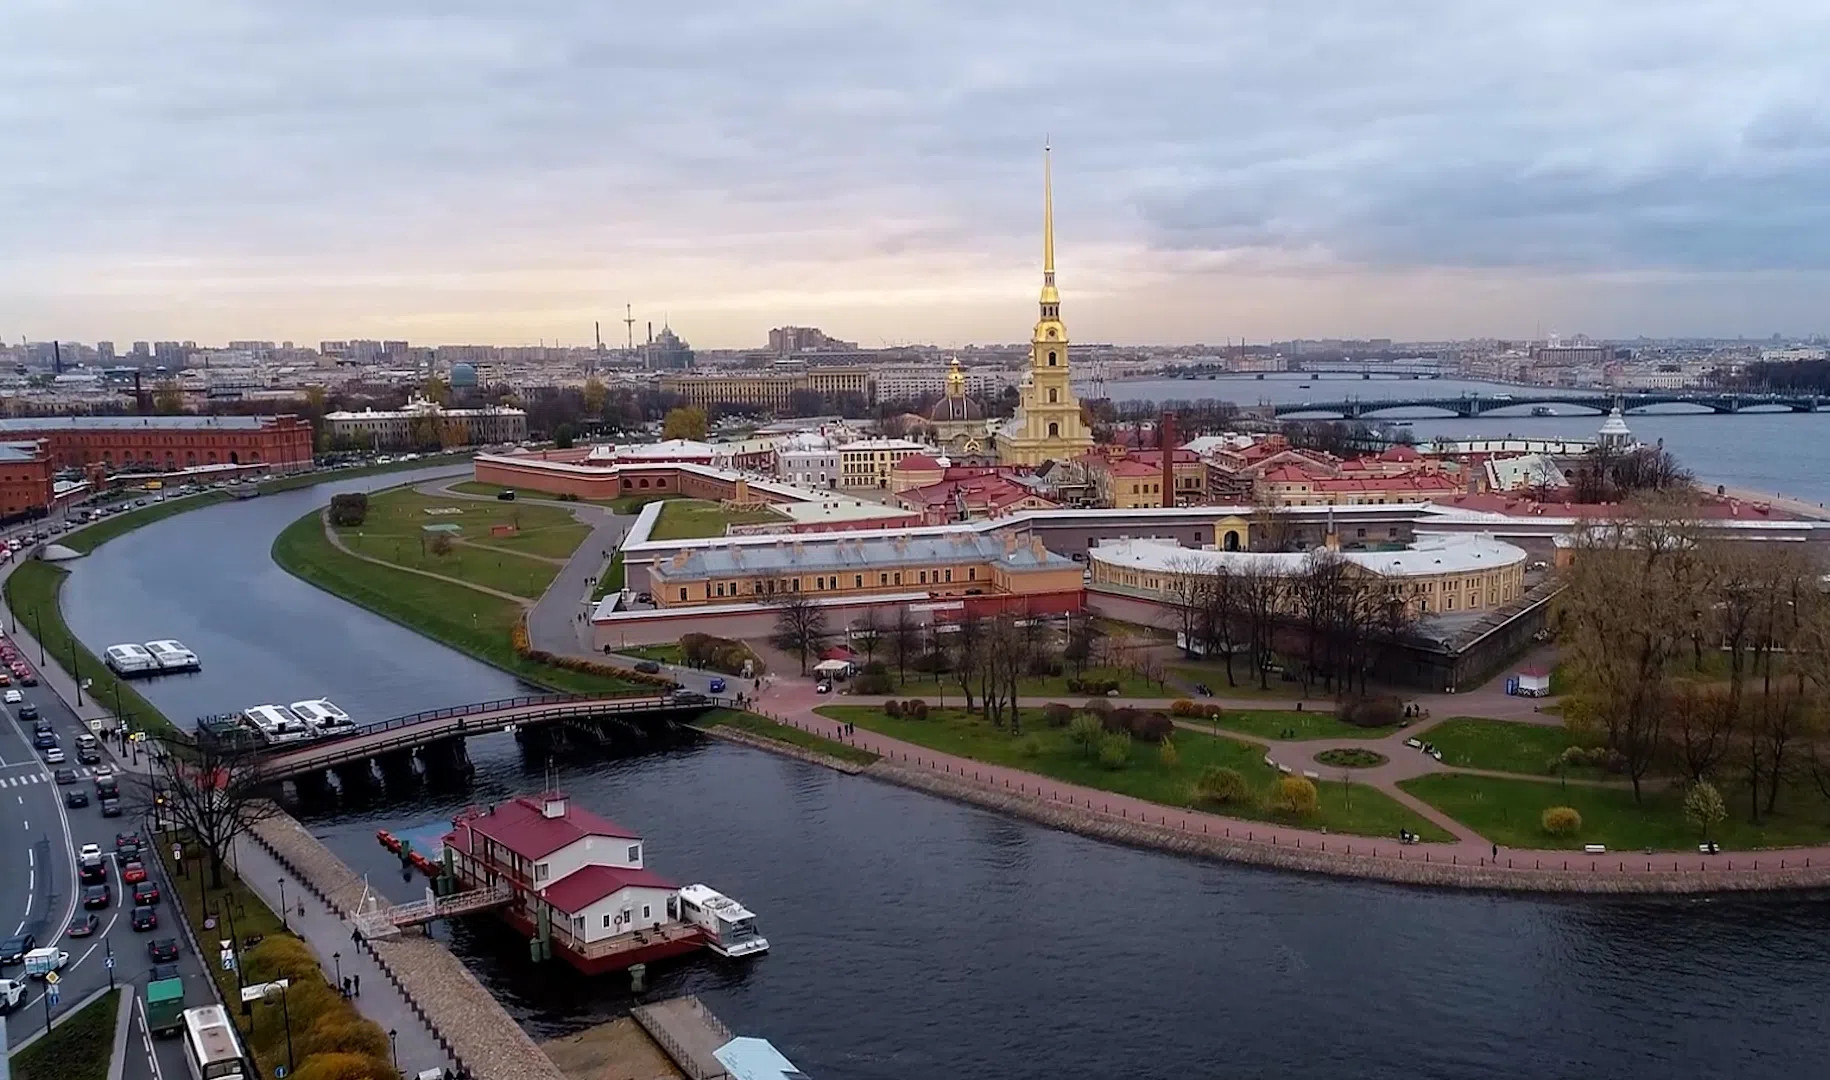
{"x":165,"y":1006}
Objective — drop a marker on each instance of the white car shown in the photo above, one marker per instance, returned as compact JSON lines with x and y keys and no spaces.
{"x":90,"y":851}
{"x":14,"y":697}
{"x":54,"y":756}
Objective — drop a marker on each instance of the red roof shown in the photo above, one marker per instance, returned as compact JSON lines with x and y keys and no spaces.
{"x":1515,"y":505}
{"x":587,"y":885}
{"x":918,"y":463}
{"x":1400,"y":452}
{"x":521,"y":827}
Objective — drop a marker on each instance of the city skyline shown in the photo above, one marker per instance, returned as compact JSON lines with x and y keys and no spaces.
{"x":506,"y":176}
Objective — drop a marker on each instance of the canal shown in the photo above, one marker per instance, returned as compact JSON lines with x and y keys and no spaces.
{"x":915,"y":937}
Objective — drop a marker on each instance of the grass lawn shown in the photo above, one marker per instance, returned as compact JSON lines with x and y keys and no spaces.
{"x":1345,"y":808}
{"x":78,"y":1048}
{"x":465,"y":619}
{"x":31,"y":592}
{"x":1185,"y":673}
{"x":611,"y":580}
{"x":521,"y":563}
{"x":691,"y":519}
{"x":1507,"y":812}
{"x":665,"y":654}
{"x":1130,"y":684}
{"x":1272,"y":723}
{"x":1470,"y":742}
{"x":769,"y":729}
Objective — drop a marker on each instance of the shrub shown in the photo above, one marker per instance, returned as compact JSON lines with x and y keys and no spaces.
{"x":1219,"y":784}
{"x":1295,"y":795}
{"x":1152,"y":727}
{"x":915,"y":709}
{"x":344,"y":1067}
{"x":1099,"y":706}
{"x":1120,"y":719}
{"x":1057,"y":715}
{"x":343,"y":1031}
{"x":1561,"y":821}
{"x":1594,"y":757}
{"x":350,"y":508}
{"x":1212,"y":712}
{"x":1085,"y":732}
{"x":1167,"y":755}
{"x":1114,"y":750}
{"x":1370,"y":712}
{"x":1030,"y":747}
{"x":872,"y":682}
{"x":1184,"y":707}
{"x":892,"y":709}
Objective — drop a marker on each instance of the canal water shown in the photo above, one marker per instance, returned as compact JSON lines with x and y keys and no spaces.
{"x":914,"y":937}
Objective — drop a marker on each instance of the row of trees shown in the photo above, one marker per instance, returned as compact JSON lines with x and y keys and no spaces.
{"x":1339,"y":612}
{"x":1702,"y":657}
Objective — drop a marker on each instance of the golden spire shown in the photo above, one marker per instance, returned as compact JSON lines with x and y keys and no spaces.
{"x":1050,"y":298}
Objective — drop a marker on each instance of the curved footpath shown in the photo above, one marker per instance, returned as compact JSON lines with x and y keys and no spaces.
{"x":1468,"y":862}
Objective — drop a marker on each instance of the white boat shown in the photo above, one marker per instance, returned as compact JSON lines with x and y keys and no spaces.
{"x":173,"y":656}
{"x":129,"y":660}
{"x":729,"y":927}
{"x":277,"y":724}
{"x":323,"y":716}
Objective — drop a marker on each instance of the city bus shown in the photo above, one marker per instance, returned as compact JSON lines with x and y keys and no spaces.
{"x":211,"y":1046}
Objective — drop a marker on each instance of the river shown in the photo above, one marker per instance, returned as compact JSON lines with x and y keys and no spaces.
{"x":1735,"y":450}
{"x":913,"y":937}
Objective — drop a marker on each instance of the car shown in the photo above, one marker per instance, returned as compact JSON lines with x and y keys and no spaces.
{"x":84,"y":925}
{"x":28,"y":713}
{"x":716,"y":686}
{"x":648,"y":667}
{"x":44,"y":740}
{"x":13,"y":697}
{"x":133,"y":872}
{"x":64,"y":776}
{"x":644,"y":598}
{"x":111,"y":808}
{"x":13,"y":949}
{"x":88,"y":755}
{"x":41,"y":726}
{"x":54,"y":756}
{"x":76,"y":798}
{"x":161,"y":972}
{"x":97,"y":896}
{"x":146,"y":893}
{"x":89,"y":851}
{"x":506,"y":495}
{"x":145,"y":918}
{"x":824,"y":687}
{"x":25,"y":676}
{"x":126,"y":839}
{"x":103,"y":775}
{"x":163,"y":950}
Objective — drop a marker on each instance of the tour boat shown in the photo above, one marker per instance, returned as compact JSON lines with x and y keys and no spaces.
{"x":130,"y":660}
{"x":729,"y":927}
{"x":171,"y":655}
{"x":323,"y":716}
{"x":277,"y":724}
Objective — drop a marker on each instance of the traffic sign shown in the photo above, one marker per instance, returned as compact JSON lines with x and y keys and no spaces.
{"x":53,"y":993}
{"x":51,"y":978}
{"x":108,"y":961}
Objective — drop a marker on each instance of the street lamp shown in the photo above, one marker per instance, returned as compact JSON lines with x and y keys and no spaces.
{"x":337,"y":959}
{"x":284,"y":925}
{"x":38,"y":632}
{"x":393,"y":1047}
{"x":76,"y":674}
{"x":286,"y":1014}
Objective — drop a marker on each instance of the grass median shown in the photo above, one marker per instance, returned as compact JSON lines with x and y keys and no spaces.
{"x":765,"y":728}
{"x":469,"y":621}
{"x":1344,"y":807}
{"x":78,"y":1048}
{"x":32,"y":592}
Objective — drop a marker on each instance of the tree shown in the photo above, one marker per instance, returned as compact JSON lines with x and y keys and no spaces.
{"x":868,"y":633}
{"x":167,"y":398}
{"x":349,"y":509}
{"x":966,"y":653}
{"x":1703,"y":807}
{"x":210,"y":790}
{"x":1219,"y":617}
{"x":436,"y":390}
{"x":1295,"y":795}
{"x":904,"y":640}
{"x":800,"y":626}
{"x":1219,"y":784}
{"x":595,"y":396}
{"x":1561,"y":821}
{"x":564,"y":437}
{"x":1085,"y":732}
{"x":1259,"y":593}
{"x":685,"y":422}
{"x":1082,"y":640}
{"x":1701,"y":724}
{"x":440,"y":545}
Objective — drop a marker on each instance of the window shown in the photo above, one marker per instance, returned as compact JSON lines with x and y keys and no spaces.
{"x":606,"y":922}
{"x":682,"y":592}
{"x":1054,"y":431}
{"x":540,"y":871}
{"x":972,"y":573}
{"x":857,"y":581}
{"x":924,"y":577}
{"x":883,"y":579}
{"x":898,"y":577}
{"x":1051,"y":352}
{"x":949,"y":573}
{"x":1361,"y":533}
{"x":647,"y":912}
{"x":1053,"y":395}
{"x":721,"y":589}
{"x":635,"y":853}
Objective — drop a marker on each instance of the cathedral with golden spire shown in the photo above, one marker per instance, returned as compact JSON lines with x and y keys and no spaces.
{"x":1047,"y":425}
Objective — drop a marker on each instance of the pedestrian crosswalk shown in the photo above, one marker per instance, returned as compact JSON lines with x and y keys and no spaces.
{"x":38,"y":776}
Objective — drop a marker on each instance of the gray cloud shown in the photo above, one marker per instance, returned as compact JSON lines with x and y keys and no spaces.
{"x":418,"y":137}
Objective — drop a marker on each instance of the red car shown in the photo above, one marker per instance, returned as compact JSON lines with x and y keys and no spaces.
{"x":133,"y":873}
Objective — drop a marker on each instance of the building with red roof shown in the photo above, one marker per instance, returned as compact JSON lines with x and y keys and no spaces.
{"x":987,"y":494}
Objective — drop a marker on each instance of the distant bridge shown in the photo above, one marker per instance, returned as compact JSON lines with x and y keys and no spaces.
{"x":1475,"y":405}
{"x":400,"y":737}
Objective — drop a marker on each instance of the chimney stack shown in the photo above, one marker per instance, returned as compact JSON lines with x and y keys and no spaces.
{"x":1166,"y":445}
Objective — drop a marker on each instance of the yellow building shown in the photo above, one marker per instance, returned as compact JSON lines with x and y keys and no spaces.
{"x":964,"y":564}
{"x":870,"y":463}
{"x":774,"y":390}
{"x":1047,"y":425}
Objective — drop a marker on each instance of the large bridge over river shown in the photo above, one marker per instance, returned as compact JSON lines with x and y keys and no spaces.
{"x":1476,"y":405}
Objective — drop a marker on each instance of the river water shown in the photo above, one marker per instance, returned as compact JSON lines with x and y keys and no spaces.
{"x":913,"y":937}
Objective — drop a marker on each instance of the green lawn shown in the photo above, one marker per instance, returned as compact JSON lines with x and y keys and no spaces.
{"x":1345,"y":808}
{"x":665,"y":654}
{"x":1471,"y":742}
{"x":521,"y":563}
{"x":1507,"y":812}
{"x":463,"y":618}
{"x":1184,"y":674}
{"x":78,"y":1048}
{"x":691,"y":519}
{"x":31,"y":592}
{"x":1130,"y":683}
{"x":611,"y":580}
{"x":1273,"y":723}
{"x":769,"y":729}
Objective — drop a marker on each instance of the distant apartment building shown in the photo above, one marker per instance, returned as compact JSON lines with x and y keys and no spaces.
{"x":787,"y":340}
{"x":426,"y":423}
{"x":819,"y":469}
{"x":910,"y":383}
{"x":104,"y":352}
{"x":1572,"y":355}
{"x":774,"y":390}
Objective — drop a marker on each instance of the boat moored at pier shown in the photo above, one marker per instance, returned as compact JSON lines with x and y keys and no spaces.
{"x":171,"y":655}
{"x":729,"y":927}
{"x":130,"y":661}
{"x":325,"y":718}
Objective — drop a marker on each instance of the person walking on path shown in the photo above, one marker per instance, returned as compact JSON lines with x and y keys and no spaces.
{"x":346,"y":987}
{"x":356,"y":983}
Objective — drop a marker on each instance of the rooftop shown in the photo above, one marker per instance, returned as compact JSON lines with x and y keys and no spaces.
{"x":587,"y":885}
{"x":851,"y":551}
{"x":1433,"y":553}
{"x":521,"y":826}
{"x":19,"y":451}
{"x":123,"y":423}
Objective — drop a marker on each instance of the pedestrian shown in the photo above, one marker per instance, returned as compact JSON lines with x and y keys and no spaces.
{"x":355,"y":935}
{"x":346,"y":987}
{"x":1496,"y":853}
{"x":357,"y":982}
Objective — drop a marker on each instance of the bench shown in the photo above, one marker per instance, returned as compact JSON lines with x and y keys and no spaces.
{"x":1594,"y":849}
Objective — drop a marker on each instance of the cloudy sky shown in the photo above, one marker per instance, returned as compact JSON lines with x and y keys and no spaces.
{"x":509,"y":170}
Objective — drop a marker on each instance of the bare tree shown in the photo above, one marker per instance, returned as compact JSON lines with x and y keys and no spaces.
{"x":967,"y":649}
{"x":1702,"y":722}
{"x":800,"y":626}
{"x":210,"y":790}
{"x":904,"y":640}
{"x":1260,"y":591}
{"x":1190,"y":607}
{"x":1220,"y":617}
{"x":1082,"y":644}
{"x":868,"y":633}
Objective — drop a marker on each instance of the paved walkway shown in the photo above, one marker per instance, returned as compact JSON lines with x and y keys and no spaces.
{"x":329,"y":937}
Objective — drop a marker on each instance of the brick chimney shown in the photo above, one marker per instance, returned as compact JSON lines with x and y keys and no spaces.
{"x":1166,"y":445}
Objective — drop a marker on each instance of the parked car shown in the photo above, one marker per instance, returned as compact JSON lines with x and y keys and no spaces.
{"x":111,"y":808}
{"x":54,"y":756}
{"x":716,"y":686}
{"x":84,"y":925}
{"x":163,"y":950}
{"x":143,"y":919}
{"x":44,"y":740}
{"x":88,"y":755}
{"x":824,"y":687}
{"x":28,"y":713}
{"x":506,"y":495}
{"x":97,"y":896}
{"x":25,"y":676}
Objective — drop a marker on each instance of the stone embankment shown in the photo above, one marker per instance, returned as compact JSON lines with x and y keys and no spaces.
{"x":1614,"y":872}
{"x":468,"y":1021}
{"x":776,"y":746}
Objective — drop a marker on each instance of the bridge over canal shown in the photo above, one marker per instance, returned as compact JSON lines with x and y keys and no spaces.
{"x":438,"y":734}
{"x":1476,"y":405}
